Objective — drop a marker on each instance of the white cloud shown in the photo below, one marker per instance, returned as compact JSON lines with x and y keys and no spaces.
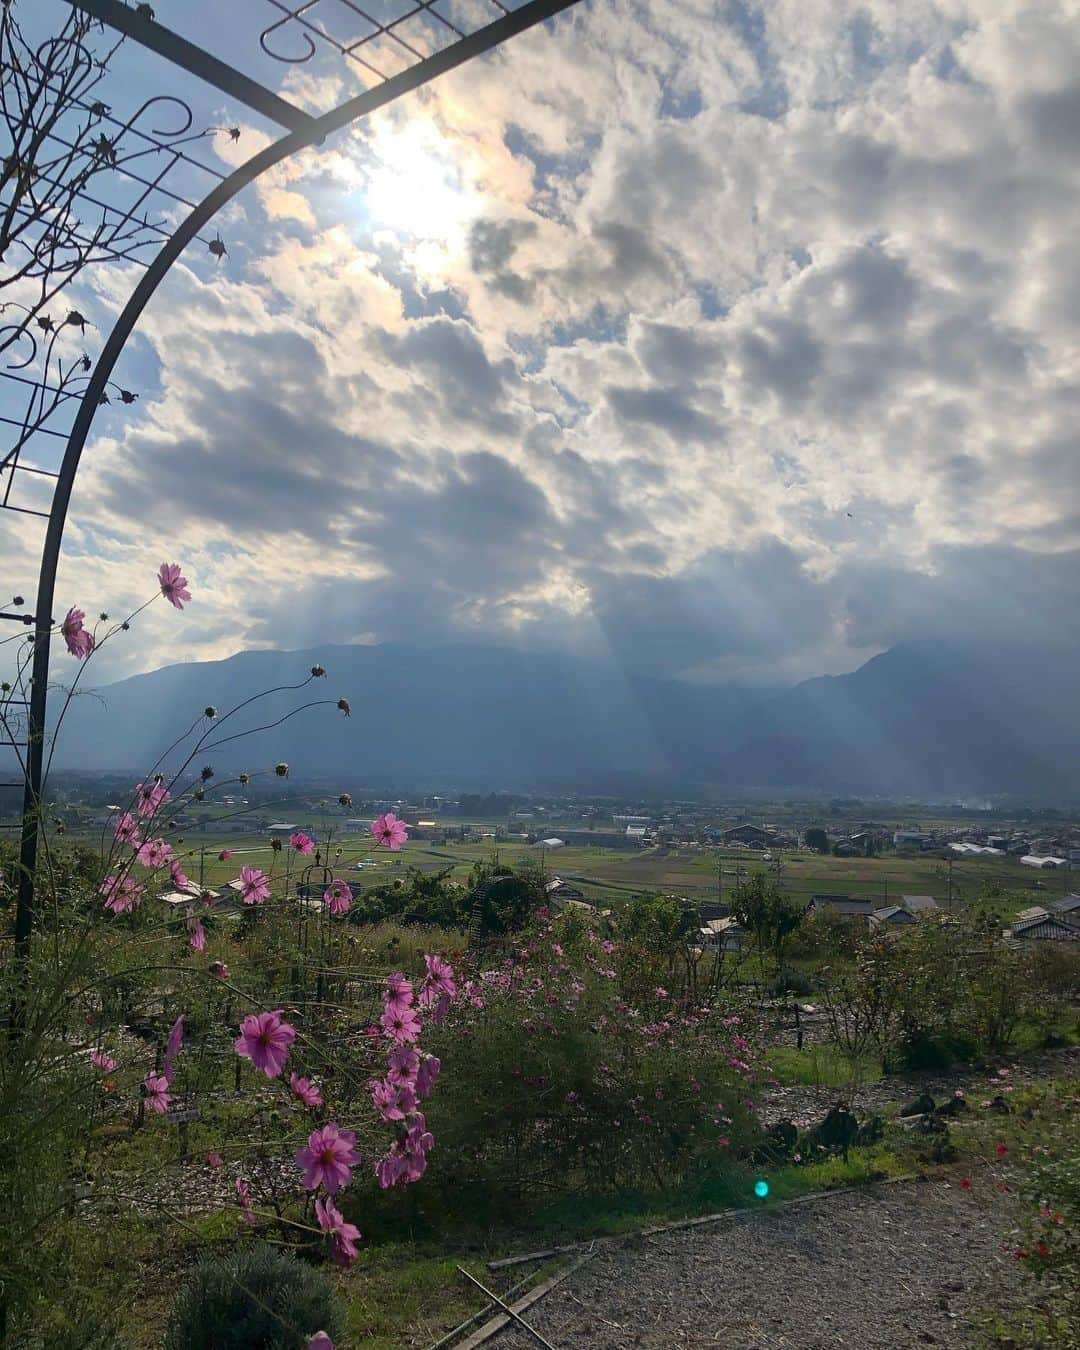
{"x":787,"y":283}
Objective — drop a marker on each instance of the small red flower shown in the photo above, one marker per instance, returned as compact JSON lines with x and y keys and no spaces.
{"x":1020,"y":1255}
{"x":965,"y":1185}
{"x":1002,"y":1150}
{"x":1043,"y":1249}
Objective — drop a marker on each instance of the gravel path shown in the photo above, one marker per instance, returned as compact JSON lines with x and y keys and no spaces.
{"x":884,"y":1268}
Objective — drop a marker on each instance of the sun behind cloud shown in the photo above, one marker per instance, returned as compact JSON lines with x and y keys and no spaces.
{"x":418,"y":186}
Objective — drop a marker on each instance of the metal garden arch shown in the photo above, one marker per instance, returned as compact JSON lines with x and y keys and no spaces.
{"x":463,"y":40}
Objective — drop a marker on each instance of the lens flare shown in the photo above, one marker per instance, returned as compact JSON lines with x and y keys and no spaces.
{"x":761,"y":1189}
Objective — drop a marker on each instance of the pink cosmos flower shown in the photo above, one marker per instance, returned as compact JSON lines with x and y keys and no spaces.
{"x":254,"y":885}
{"x":225,"y":855}
{"x":391,"y":1169}
{"x":157,"y":1093}
{"x":427,"y":1075}
{"x":219,"y":969}
{"x":393,"y":1101}
{"x":243,"y":1194}
{"x":328,"y":1158}
{"x":403,"y":1064}
{"x":154,"y":853}
{"x":390,"y":831}
{"x":198,"y":933}
{"x":301,"y":842}
{"x":320,"y":1341}
{"x":399,"y":992}
{"x":337,"y":897}
{"x":121,"y":893}
{"x":172,"y":1047}
{"x":438,"y":983}
{"x":179,"y":880}
{"x":126,"y":829}
{"x":150,"y":798}
{"x":173,"y":585}
{"x":213,"y":1160}
{"x":401,"y":1025}
{"x":100,"y":1060}
{"x":418,"y":1143}
{"x":345,"y":1235}
{"x":265,"y":1039}
{"x":308,"y":1093}
{"x":80,"y":642}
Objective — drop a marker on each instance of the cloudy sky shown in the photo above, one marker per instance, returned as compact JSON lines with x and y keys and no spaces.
{"x":727,"y":340}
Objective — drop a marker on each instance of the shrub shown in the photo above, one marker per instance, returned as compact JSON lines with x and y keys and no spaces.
{"x":562,"y":1075}
{"x":255,"y":1299}
{"x":791,"y":980}
{"x":1045,"y":1171}
{"x":920,"y":1051}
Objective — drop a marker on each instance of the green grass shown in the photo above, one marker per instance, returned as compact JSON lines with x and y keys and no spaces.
{"x":823,"y":1066}
{"x":397,"y":1296}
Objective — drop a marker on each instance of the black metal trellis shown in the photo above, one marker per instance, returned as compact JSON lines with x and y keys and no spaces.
{"x":412,"y":43}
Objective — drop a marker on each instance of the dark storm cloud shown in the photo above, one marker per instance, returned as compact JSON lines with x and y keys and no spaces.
{"x":981,"y":593}
{"x":449,"y":357}
{"x":667,"y":409}
{"x":492,"y":245}
{"x":632,"y":253}
{"x":783,"y":357}
{"x":255,"y":465}
{"x":669,"y":353}
{"x":753,"y":605}
{"x":1053,"y":121}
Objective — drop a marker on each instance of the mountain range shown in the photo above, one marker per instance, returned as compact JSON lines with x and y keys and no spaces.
{"x":927,"y":719}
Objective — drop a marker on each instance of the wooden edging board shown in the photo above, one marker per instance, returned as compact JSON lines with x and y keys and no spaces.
{"x":694,"y":1223}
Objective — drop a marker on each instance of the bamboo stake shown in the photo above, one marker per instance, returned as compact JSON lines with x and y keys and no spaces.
{"x":483,"y":1334}
{"x":510,"y":1312}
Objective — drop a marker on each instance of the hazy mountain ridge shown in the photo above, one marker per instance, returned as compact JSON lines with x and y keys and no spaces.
{"x":925,"y":718}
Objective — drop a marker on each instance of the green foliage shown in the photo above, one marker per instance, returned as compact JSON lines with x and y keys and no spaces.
{"x":501,"y":900}
{"x":1048,"y":1178}
{"x":816,"y":839}
{"x":773,"y":917}
{"x":944,"y":990}
{"x":791,"y":980}
{"x":417,"y":898}
{"x":496,"y":898}
{"x":255,"y":1299}
{"x":553,"y":1086}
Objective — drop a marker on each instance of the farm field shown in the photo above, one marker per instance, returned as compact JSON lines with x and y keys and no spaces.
{"x":608,"y":877}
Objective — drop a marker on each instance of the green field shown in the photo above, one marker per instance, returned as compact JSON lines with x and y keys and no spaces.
{"x":609,"y":876}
